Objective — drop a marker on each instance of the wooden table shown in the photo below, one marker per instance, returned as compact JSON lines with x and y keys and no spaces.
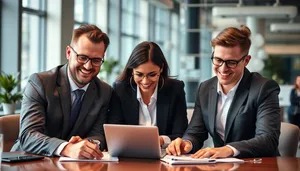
{"x":268,"y":164}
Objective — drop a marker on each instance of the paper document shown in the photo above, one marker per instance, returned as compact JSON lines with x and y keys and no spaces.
{"x":186,"y":159}
{"x":106,"y":158}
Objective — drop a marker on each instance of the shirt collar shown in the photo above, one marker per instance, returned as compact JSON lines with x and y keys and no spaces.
{"x":73,"y":86}
{"x":231,"y":91}
{"x":139,"y":95}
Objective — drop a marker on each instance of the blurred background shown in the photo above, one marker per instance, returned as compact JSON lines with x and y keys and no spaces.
{"x":34,"y":35}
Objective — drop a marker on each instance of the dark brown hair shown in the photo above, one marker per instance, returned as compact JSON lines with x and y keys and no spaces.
{"x":295,"y":84}
{"x":92,"y":32}
{"x":231,"y":37}
{"x":142,"y":53}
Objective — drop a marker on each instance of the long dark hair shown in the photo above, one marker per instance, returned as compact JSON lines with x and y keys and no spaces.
{"x":142,"y":53}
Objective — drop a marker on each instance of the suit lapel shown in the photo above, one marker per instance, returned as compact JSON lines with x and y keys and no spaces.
{"x":240,"y":95}
{"x":212,"y":108}
{"x":134,"y":107}
{"x":87,"y":102}
{"x":162,"y":109}
{"x":65,"y":98}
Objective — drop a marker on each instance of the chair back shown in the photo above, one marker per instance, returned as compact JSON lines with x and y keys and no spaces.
{"x":288,"y":140}
{"x":9,"y":127}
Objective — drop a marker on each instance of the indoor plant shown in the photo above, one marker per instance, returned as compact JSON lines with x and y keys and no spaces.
{"x":9,"y":96}
{"x":108,"y":69}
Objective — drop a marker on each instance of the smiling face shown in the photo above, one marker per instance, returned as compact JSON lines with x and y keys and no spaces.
{"x":82,"y":74}
{"x":228,"y":77}
{"x":146,"y":76}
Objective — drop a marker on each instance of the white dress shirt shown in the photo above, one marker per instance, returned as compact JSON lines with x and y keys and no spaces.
{"x":224,"y":103}
{"x":148,"y":114}
{"x":73,"y":87}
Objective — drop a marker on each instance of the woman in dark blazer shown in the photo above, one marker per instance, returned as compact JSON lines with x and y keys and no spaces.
{"x":294,"y":109}
{"x":146,"y":95}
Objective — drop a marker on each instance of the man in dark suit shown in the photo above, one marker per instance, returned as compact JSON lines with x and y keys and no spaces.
{"x":55,"y":120}
{"x":239,"y":109}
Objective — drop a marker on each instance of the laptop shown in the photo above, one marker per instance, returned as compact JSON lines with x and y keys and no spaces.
{"x":15,"y":157}
{"x":133,"y":141}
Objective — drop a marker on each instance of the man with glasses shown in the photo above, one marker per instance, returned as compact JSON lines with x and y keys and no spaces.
{"x":239,"y":109}
{"x":64,"y":109}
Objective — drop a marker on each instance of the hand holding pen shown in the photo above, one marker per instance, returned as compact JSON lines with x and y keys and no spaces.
{"x":82,"y":148}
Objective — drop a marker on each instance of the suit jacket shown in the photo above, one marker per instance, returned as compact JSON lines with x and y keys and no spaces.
{"x":294,"y":108}
{"x":171,"y":107}
{"x":253,"y":120}
{"x":46,"y":108}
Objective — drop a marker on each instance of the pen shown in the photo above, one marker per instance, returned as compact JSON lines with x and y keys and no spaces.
{"x":91,"y":140}
{"x":94,"y":141}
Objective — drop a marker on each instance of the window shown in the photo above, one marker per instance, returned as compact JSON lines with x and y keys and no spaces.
{"x":162,"y":31}
{"x":134,"y":19}
{"x":33,"y":37}
{"x":85,"y":12}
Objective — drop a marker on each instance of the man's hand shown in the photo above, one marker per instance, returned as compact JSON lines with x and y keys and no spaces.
{"x":75,"y":139}
{"x":214,"y":153}
{"x":178,"y":147}
{"x":82,"y":149}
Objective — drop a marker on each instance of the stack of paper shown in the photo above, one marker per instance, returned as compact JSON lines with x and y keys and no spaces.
{"x":186,"y":159}
{"x":106,"y":158}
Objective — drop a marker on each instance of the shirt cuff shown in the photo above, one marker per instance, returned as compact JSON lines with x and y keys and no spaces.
{"x":235,"y":151}
{"x":167,"y":141}
{"x":60,"y":148}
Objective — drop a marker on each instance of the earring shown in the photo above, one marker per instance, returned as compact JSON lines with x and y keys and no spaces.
{"x":130,"y":80}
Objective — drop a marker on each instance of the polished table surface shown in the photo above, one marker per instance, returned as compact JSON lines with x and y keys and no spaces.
{"x":127,"y":164}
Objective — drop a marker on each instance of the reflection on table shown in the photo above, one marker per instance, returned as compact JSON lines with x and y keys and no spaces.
{"x":128,"y":164}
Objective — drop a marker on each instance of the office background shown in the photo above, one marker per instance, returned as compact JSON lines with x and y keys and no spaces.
{"x":35,"y":33}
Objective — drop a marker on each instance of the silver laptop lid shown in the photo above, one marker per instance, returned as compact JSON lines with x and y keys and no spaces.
{"x":132,"y":141}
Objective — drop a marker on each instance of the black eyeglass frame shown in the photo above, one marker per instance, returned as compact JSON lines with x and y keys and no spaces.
{"x":236,"y":62}
{"x":151,"y":76}
{"x":87,"y":58}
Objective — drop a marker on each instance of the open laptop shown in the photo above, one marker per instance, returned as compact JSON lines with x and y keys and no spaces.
{"x":133,"y":141}
{"x":11,"y":157}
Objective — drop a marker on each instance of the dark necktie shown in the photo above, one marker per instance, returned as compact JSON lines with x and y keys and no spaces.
{"x":76,"y":107}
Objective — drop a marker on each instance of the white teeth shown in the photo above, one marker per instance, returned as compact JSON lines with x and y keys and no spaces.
{"x":224,"y":74}
{"x":85,"y":72}
{"x":146,"y":86}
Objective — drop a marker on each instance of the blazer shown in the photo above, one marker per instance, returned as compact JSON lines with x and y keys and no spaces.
{"x":294,"y":108}
{"x":171,"y":107}
{"x":46,"y":107}
{"x":253,"y":120}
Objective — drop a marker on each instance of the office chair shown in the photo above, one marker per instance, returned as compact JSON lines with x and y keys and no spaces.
{"x":288,"y":140}
{"x":9,"y":127}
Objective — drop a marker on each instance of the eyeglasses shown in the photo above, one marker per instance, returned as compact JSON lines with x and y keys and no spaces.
{"x":83,"y":59}
{"x":151,"y":76}
{"x":229,"y":63}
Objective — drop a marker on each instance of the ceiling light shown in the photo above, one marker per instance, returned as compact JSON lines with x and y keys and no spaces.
{"x":256,"y":11}
{"x":285,"y":27}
